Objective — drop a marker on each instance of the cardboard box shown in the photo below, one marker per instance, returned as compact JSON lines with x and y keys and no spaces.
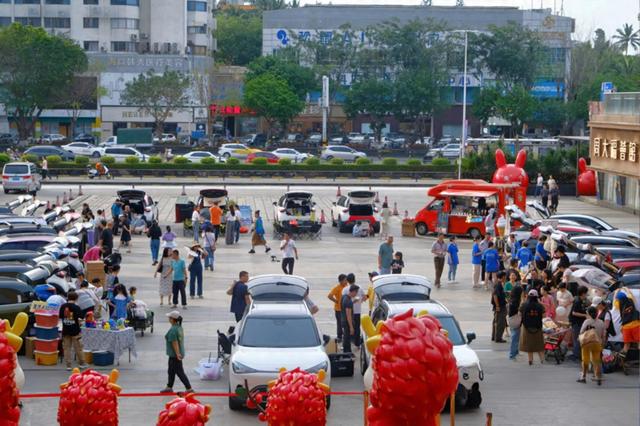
{"x":29,"y":347}
{"x":332,"y":346}
{"x":408,"y":228}
{"x":95,"y":269}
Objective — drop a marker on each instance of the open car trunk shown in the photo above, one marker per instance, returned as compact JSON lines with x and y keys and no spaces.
{"x":214,"y":195}
{"x":134,"y":199}
{"x":360,"y":209}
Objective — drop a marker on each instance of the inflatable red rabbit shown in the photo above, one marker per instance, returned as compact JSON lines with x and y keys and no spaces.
{"x":586,"y":179}
{"x":511,"y":173}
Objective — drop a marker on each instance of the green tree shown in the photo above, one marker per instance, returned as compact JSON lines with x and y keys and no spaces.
{"x":271,"y":98}
{"x":626,"y":37}
{"x":157,"y":95}
{"x":36,"y":66}
{"x":239,"y":37}
{"x":274,"y":4}
{"x":513,"y":53}
{"x":300,"y":79}
{"x":516,"y":106}
{"x":373,"y":97}
{"x":485,"y":104}
{"x":550,"y":114}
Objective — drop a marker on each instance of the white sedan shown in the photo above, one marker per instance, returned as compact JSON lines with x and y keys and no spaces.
{"x":291,"y":154}
{"x":83,"y":148}
{"x":197,"y":156}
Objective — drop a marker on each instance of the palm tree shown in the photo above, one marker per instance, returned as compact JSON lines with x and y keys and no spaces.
{"x":625,"y":37}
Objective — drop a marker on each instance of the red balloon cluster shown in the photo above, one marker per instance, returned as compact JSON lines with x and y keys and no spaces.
{"x":296,"y":398}
{"x":89,"y":398}
{"x":414,"y":372}
{"x":511,"y":173}
{"x":586,"y":179}
{"x":187,"y":411}
{"x":9,"y":410}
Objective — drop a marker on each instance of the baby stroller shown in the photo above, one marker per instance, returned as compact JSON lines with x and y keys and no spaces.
{"x":139,"y":317}
{"x":553,"y":344}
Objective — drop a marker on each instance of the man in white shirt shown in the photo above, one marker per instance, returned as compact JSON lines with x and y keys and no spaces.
{"x":539,"y":183}
{"x":361,"y":296}
{"x":360,"y":230}
{"x":289,"y":253}
{"x":195,"y":222}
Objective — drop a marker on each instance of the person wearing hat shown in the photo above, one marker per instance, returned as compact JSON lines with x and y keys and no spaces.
{"x":531,"y":337}
{"x":630,"y":320}
{"x":175,"y":351}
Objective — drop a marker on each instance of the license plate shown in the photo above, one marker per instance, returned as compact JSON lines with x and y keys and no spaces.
{"x":16,"y":178}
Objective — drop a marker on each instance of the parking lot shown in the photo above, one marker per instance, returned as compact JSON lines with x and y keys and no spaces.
{"x":514,"y":392}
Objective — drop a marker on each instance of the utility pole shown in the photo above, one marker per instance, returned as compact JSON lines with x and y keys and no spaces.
{"x":463,"y":137}
{"x":325,"y":107}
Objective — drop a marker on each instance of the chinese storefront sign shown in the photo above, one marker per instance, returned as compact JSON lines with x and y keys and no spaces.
{"x":615,"y":149}
{"x":228,"y":110}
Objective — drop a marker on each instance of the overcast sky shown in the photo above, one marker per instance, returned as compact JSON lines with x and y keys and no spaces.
{"x":589,"y":14}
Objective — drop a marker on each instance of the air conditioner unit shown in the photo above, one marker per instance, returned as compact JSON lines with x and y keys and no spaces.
{"x":144,"y":36}
{"x":134,"y":37}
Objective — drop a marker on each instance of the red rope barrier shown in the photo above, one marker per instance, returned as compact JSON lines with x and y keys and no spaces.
{"x":150,"y":395}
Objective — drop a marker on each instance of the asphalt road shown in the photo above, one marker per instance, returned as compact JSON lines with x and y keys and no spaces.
{"x":514,"y":392}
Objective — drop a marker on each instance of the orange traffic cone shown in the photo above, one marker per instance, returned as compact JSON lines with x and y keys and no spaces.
{"x":323,"y":219}
{"x":80,"y":190}
{"x":395,"y":209}
{"x":338,"y":194}
{"x":65,"y":199}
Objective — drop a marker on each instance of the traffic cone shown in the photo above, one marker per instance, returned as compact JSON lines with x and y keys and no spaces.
{"x":377,"y":200}
{"x":395,"y":209}
{"x":70,"y":194}
{"x":385,"y":200}
{"x":323,"y":219}
{"x":57,"y":201}
{"x":338,"y":194}
{"x":184,"y":192}
{"x":80,"y":191}
{"x":65,"y":199}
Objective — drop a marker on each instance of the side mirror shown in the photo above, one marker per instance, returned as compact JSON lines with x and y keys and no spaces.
{"x":471,"y":337}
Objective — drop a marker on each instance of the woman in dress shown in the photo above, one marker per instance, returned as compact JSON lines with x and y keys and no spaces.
{"x":125,"y":235}
{"x":169,"y":239}
{"x":164,"y":269}
{"x":257,"y":239}
{"x":385,"y":214}
{"x":230,"y":228}
{"x":531,"y":337}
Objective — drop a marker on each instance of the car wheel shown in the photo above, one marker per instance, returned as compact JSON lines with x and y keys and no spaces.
{"x":329,"y":157}
{"x":474,"y":232}
{"x":226,"y":155}
{"x":235,"y":404}
{"x":422,"y":228}
{"x":96,"y":154}
{"x":462,"y":396}
{"x":474,"y":398}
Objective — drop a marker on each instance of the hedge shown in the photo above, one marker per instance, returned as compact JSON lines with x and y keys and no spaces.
{"x":180,"y":160}
{"x":132,"y":160}
{"x":108,"y":160}
{"x":54,"y":160}
{"x":154,"y":159}
{"x":81,"y":160}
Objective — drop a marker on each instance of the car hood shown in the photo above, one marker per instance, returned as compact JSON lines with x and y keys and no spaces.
{"x":465,"y":356}
{"x":273,"y":359}
{"x":634,"y":236}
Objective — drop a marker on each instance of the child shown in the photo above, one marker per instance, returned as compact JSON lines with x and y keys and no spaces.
{"x":120,"y":301}
{"x":452,"y":259}
{"x":397,"y":263}
{"x":70,"y":313}
{"x":132,"y":293}
{"x":547,"y":301}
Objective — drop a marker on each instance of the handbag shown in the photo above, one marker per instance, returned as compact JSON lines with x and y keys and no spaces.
{"x":514,"y":321}
{"x":589,"y":336}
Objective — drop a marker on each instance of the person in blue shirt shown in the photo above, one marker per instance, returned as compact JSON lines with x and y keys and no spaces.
{"x":525,"y":257}
{"x":476,"y":261}
{"x":541,"y":256}
{"x":452,"y":259}
{"x":514,"y":246}
{"x":257,"y":239}
{"x":492,"y":264}
{"x":178,"y":271}
{"x":116,"y":211}
{"x":120,"y":301}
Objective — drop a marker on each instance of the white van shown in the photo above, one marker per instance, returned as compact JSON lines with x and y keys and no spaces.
{"x":21,"y":177}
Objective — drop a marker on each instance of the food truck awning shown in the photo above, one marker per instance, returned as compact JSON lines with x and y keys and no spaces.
{"x":467,"y":193}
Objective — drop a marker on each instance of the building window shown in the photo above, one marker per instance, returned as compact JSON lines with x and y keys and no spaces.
{"x":5,"y":21}
{"x":125,"y":24}
{"x":5,"y":1}
{"x":34,"y":22}
{"x":91,"y":46}
{"x":91,"y":1}
{"x":57,"y":1}
{"x":199,"y":50}
{"x":196,"y":6}
{"x":57,"y":22}
{"x":124,"y":46}
{"x":125,"y":2}
{"x":91,"y":22}
{"x":27,"y":1}
{"x":200,"y":29}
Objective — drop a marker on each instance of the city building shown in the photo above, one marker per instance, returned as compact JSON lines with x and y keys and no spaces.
{"x":614,"y":149}
{"x":281,"y":28}
{"x":124,"y":38}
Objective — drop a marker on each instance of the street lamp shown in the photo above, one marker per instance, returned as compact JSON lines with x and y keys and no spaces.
{"x":464,"y":108}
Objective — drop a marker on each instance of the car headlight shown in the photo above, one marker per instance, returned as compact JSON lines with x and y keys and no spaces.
{"x":322,"y":366}
{"x":240,"y":368}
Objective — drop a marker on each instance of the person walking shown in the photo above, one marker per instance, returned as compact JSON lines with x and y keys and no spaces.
{"x":361,"y":296}
{"x":531,"y":337}
{"x":70,"y":314}
{"x":552,"y":183}
{"x":154,"y":233}
{"x":164,"y":269}
{"x":554,"y":194}
{"x":335,"y":295}
{"x":452,"y":259}
{"x":439,"y":251}
{"x":385,"y":256}
{"x":385,"y":216}
{"x":514,"y":320}
{"x":484,"y":245}
{"x":576,"y":318}
{"x":257,"y":239}
{"x":196,"y":255}
{"x":499,"y":306}
{"x":490,"y":222}
{"x":178,"y":270}
{"x":240,"y":297}
{"x":476,"y":261}
{"x":289,"y":253}
{"x":125,"y":235}
{"x":195,"y":223}
{"x":348,"y":329}
{"x":215,"y":217}
{"x":44,"y":167}
{"x":593,"y":333}
{"x":209,"y":238}
{"x":539,"y":183}
{"x":544,"y":195}
{"x":174,"y":340}
{"x":492,"y":265}
{"x":230,"y":227}
{"x":106,"y":238}
{"x":169,"y":238}
{"x":116,"y":211}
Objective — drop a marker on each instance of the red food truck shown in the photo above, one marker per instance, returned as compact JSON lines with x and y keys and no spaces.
{"x":460,"y":206}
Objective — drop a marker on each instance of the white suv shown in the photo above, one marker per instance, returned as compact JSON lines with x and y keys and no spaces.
{"x":277,"y":331}
{"x":395,"y":294}
{"x":296,"y":206}
{"x":356,"y":206}
{"x":344,"y":152}
{"x":120,"y":153}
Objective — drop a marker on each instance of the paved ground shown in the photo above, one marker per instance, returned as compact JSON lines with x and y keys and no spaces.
{"x":514,"y":392}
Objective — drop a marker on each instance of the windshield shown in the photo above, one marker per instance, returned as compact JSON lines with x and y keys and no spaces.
{"x":283,"y":332}
{"x":16,"y":169}
{"x":451,"y":325}
{"x":403,"y":291}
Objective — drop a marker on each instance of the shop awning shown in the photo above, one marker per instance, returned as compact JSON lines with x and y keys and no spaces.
{"x":467,"y":193}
